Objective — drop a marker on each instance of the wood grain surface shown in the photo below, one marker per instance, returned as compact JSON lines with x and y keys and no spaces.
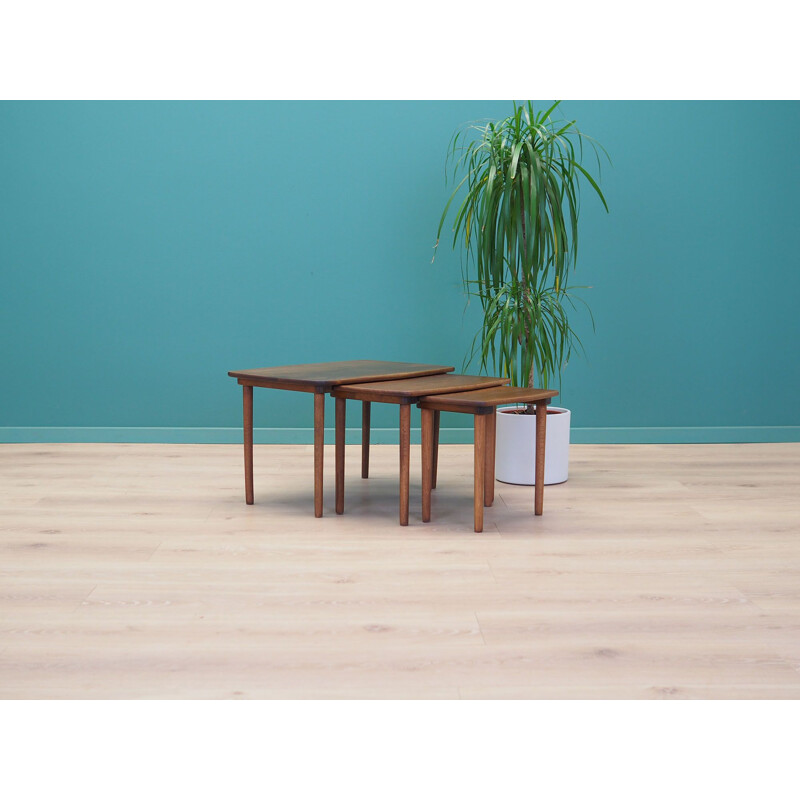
{"x":320,"y":377}
{"x":488,"y":397}
{"x":658,"y":571}
{"x":411,"y":389}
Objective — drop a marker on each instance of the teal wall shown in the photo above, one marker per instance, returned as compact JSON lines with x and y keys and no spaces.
{"x":147,"y":248}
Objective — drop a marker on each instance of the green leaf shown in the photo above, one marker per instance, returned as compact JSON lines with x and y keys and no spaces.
{"x":517,"y":222}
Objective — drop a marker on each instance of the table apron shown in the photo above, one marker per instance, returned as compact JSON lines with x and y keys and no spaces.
{"x":286,"y":385}
{"x":460,"y":408}
{"x":350,"y":394}
{"x":476,"y":410}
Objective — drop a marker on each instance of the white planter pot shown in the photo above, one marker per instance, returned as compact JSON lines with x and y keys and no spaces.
{"x":515,"y":455}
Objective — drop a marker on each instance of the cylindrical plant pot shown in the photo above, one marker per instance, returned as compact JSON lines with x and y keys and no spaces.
{"x":515,"y":456}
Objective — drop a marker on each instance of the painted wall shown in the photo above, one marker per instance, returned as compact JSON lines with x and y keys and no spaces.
{"x":147,"y":248}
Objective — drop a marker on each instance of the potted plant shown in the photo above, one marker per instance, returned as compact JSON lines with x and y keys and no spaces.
{"x":518,"y":200}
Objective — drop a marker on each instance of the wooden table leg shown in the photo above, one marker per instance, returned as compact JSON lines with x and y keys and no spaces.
{"x":491,"y":435}
{"x":247,"y":392}
{"x":480,"y":469}
{"x":365,"y":426}
{"x":341,"y":414}
{"x":405,"y":447}
{"x":427,"y":462}
{"x":436,"y":415}
{"x":319,"y":449}
{"x":541,"y":425}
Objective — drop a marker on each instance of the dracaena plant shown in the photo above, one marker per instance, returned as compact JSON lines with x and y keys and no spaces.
{"x":518,"y":199}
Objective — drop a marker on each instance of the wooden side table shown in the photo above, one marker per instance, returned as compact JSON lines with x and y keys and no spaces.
{"x":402,"y":393}
{"x":483,"y":405}
{"x":320,"y":379}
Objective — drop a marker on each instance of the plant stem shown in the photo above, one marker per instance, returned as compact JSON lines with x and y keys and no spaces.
{"x":529,"y":408}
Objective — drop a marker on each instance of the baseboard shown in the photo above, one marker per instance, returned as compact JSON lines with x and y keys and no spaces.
{"x":666,"y":435}
{"x":699,"y":435}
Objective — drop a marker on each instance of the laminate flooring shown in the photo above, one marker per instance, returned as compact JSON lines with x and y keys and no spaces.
{"x":656,"y":571}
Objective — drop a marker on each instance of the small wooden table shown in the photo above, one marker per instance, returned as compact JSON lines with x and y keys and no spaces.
{"x":320,"y":379}
{"x":483,"y":405}
{"x":402,"y":393}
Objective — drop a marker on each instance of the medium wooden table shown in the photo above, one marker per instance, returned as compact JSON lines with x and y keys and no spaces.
{"x":402,"y":393}
{"x":482,"y":404}
{"x":320,"y":379}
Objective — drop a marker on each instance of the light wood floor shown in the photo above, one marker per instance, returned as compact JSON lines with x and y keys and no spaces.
{"x":657,"y":571}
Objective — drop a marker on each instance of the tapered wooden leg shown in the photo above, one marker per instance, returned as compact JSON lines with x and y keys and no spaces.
{"x":491,"y":431}
{"x":541,"y":425}
{"x":339,"y":458}
{"x":319,"y":449}
{"x":436,"y":415}
{"x":248,"y":444}
{"x":405,"y":448}
{"x":365,"y":426}
{"x":480,"y":469}
{"x":427,"y":462}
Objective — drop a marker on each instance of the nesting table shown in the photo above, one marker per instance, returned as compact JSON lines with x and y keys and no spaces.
{"x":402,"y":393}
{"x":431,"y":386}
{"x":482,"y":404}
{"x":319,"y":379}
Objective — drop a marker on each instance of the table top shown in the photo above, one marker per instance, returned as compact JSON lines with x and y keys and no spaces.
{"x":323,"y":376}
{"x":401,"y":391}
{"x":486,"y":398}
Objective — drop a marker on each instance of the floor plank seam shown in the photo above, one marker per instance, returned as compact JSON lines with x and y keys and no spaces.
{"x":158,"y":547}
{"x":84,"y":600}
{"x":752,"y":602}
{"x":480,"y":628}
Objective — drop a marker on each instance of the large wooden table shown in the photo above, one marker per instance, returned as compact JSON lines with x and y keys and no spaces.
{"x":319,"y":379}
{"x":402,"y":393}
